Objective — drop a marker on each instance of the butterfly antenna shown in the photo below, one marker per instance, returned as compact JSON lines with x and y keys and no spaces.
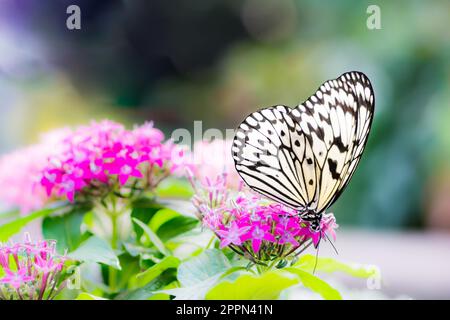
{"x":317,"y":254}
{"x":335,"y":250}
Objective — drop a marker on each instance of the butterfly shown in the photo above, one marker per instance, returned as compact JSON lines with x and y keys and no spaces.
{"x":304,"y":157}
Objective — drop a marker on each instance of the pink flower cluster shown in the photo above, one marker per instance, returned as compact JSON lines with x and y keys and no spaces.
{"x":211,"y":159}
{"x":92,"y":160}
{"x":105,"y":155}
{"x":255,"y":227}
{"x":30,"y":270}
{"x":19,"y":177}
{"x":98,"y":158}
{"x":20,"y":172}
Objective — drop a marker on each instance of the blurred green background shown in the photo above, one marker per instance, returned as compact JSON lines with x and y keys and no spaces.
{"x":178,"y":61}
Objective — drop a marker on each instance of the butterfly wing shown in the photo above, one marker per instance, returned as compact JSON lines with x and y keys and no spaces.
{"x":266,"y":157}
{"x":304,"y":157}
{"x":336,"y":121}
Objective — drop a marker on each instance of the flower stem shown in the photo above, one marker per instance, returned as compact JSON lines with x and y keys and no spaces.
{"x":114,"y":238}
{"x":19,"y":294}
{"x":2,"y":296}
{"x":43,"y":285}
{"x":259,"y":269}
{"x":210,"y":242}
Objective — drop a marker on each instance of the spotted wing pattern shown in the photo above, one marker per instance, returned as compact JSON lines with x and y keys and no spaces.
{"x":304,"y":157}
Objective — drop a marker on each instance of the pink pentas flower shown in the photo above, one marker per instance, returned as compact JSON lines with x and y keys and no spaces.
{"x":31,"y":270}
{"x":251,"y":225}
{"x":147,"y":136}
{"x":215,"y":191}
{"x":44,"y":265}
{"x":16,"y":279}
{"x":4,"y":258}
{"x":213,"y":217}
{"x":19,"y":175}
{"x":21,"y":172}
{"x":50,"y":178}
{"x":179,"y":156}
{"x":89,"y":160}
{"x":258,"y":233}
{"x":286,"y":236}
{"x":327,"y":227}
{"x":124,"y":164}
{"x":212,"y":159}
{"x":232,"y":235}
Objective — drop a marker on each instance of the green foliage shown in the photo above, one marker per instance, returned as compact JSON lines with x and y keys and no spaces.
{"x":130,"y":266}
{"x":65,"y":229}
{"x":206,"y":265}
{"x":253,"y":287}
{"x":161,"y":217}
{"x":199,"y":274}
{"x":143,"y":209}
{"x":142,"y":265}
{"x":150,"y":291}
{"x":330,"y":265}
{"x":316,"y":284}
{"x":96,"y":250}
{"x":143,"y":278}
{"x":176,"y":226}
{"x":152,"y":237}
{"x":88,"y":296}
{"x":168,"y":223}
{"x":174,"y":188}
{"x":9,"y":229}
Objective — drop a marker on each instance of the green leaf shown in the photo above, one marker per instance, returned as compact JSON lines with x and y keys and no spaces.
{"x":65,"y":229}
{"x":143,"y":209}
{"x":136,"y":250}
{"x":163,"y":296}
{"x":174,"y":188}
{"x":316,"y":284}
{"x":149,"y":291}
{"x":176,"y":226}
{"x":168,"y":223}
{"x":130,"y":267}
{"x":208,"y":264}
{"x":161,"y":217}
{"x":267,"y":286}
{"x":151,"y":273}
{"x":11,"y":228}
{"x":153,"y":237}
{"x":88,"y":296}
{"x":9,"y":214}
{"x":199,"y":274}
{"x":183,"y":207}
{"x":194,"y":292}
{"x":96,"y":250}
{"x":330,"y":265}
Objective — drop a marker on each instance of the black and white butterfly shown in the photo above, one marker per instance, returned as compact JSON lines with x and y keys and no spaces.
{"x":305,"y":157}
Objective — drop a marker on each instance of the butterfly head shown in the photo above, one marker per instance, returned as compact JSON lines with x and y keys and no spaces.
{"x":313,"y":218}
{"x":315,"y":225}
